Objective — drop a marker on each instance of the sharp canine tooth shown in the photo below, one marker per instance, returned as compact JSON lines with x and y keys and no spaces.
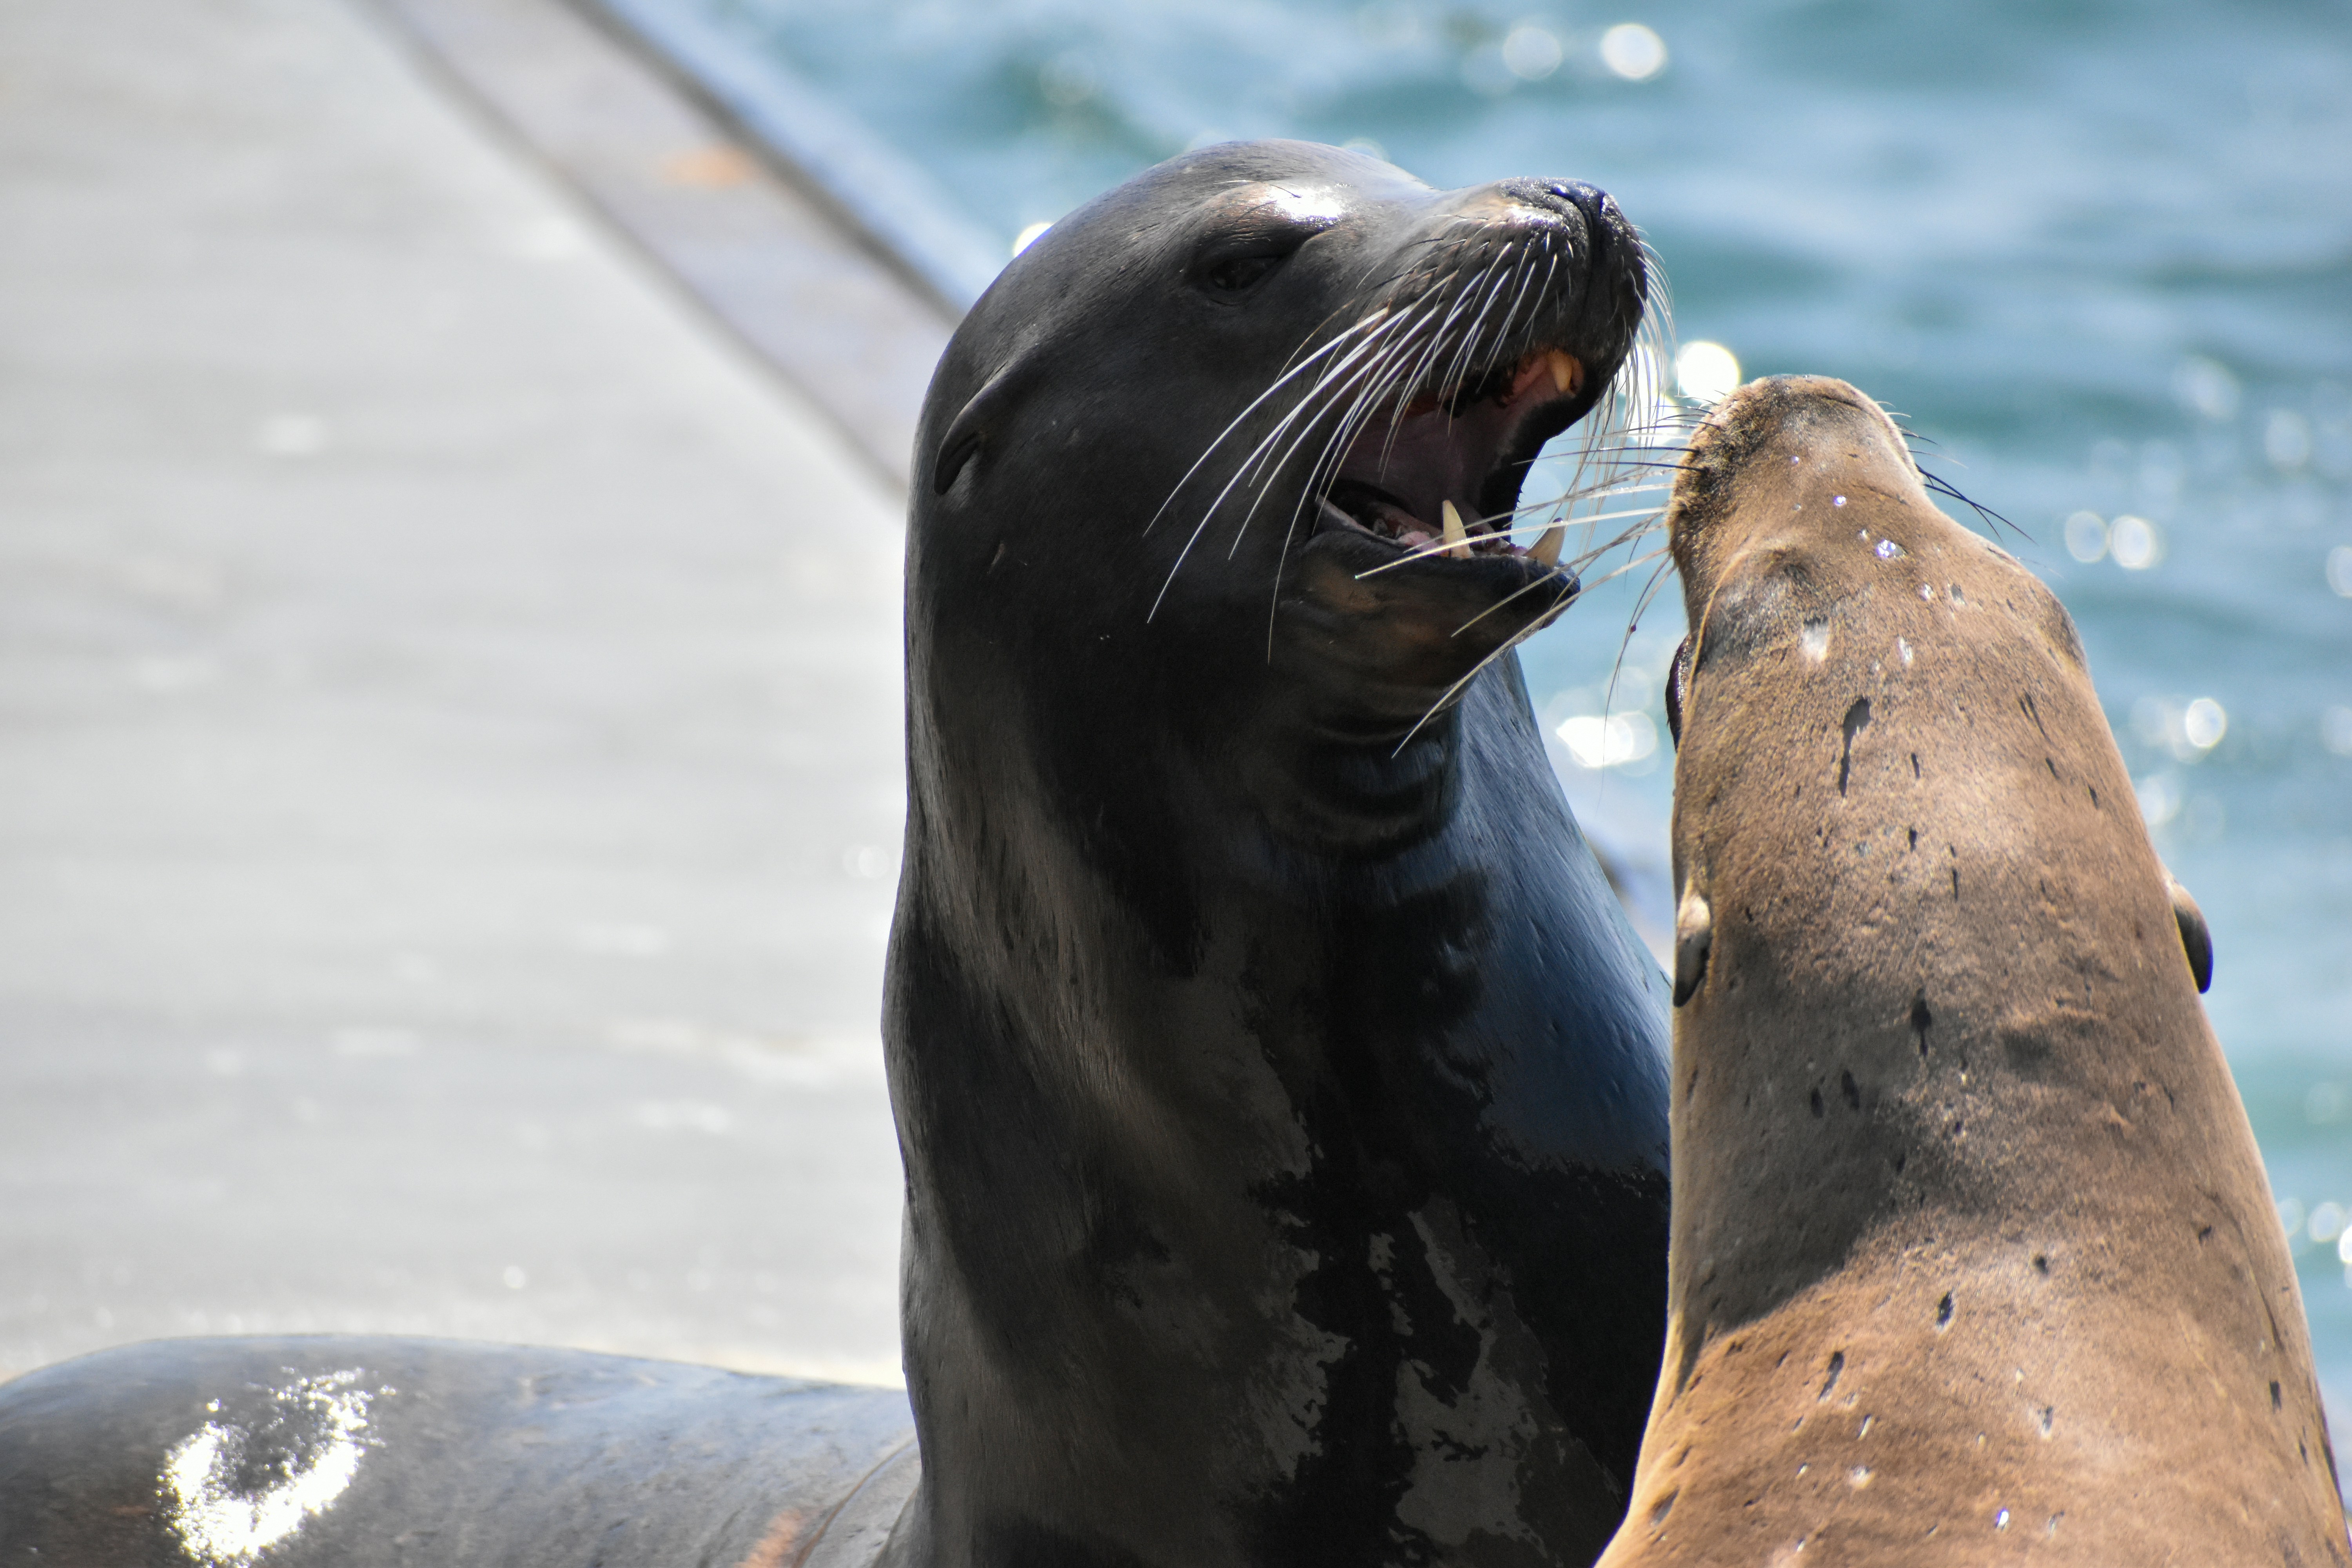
{"x":1565,"y":372}
{"x":1546,"y":548}
{"x":1457,"y":537}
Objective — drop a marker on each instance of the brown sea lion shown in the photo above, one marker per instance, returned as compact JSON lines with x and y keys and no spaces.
{"x":1973,"y":1258}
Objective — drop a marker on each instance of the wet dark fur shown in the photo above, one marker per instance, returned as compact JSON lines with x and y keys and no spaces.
{"x":1281,"y":1089}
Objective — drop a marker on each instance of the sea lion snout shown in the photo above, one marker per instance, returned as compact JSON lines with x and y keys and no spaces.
{"x":1768,"y":453}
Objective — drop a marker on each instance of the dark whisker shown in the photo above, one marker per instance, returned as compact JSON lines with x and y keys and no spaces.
{"x":1944,"y":487}
{"x":1253,"y":405}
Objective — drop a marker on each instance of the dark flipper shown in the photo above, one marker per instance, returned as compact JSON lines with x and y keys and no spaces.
{"x":334,"y":1449}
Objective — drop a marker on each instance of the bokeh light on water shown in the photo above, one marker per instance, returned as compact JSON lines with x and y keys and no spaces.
{"x":2098,"y":258}
{"x":1705,"y":373}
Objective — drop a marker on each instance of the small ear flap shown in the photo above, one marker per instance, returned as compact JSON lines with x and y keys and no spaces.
{"x":1677,"y":684}
{"x":2195,"y":939}
{"x":972,"y":429}
{"x":960,"y":447}
{"x":1693,"y":941}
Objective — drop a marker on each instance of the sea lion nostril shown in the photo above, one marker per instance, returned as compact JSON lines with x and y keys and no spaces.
{"x":1590,"y":200}
{"x":1571,"y":201}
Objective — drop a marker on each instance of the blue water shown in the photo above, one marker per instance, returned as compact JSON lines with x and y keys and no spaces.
{"x":2099,"y":254}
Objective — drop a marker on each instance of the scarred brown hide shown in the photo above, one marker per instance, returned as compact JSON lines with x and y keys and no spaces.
{"x":1973,"y":1259}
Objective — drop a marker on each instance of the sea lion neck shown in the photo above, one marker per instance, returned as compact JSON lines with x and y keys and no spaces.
{"x":1778,"y":463}
{"x":1860,"y":667}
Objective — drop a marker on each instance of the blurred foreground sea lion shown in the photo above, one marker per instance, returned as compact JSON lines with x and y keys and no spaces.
{"x":1281,"y":1089}
{"x":1973,"y":1256}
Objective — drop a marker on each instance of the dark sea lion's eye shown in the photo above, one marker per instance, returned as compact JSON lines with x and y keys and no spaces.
{"x":1239,"y":274}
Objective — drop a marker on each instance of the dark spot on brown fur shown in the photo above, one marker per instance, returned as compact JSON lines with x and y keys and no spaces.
{"x":1944,"y":1311}
{"x":1837,"y":1366}
{"x":1857,"y":719}
{"x":2041,"y":1264}
{"x":2275,"y":1396}
{"x":2029,"y":1055}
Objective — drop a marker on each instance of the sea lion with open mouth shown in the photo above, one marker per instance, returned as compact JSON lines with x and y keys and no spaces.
{"x":1974,"y":1258}
{"x":1282,"y":1090}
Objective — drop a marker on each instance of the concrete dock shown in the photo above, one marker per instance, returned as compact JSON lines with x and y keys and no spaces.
{"x":451,"y":746}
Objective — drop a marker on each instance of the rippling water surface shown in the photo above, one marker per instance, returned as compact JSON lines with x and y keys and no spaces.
{"x":2098,"y":254}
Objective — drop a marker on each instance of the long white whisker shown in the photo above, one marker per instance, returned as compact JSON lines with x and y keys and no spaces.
{"x":1437,"y":341}
{"x":1376,"y":391}
{"x":1615,"y":573}
{"x":1253,"y":405}
{"x":1332,"y":386}
{"x":1458,"y":365}
{"x":1516,"y":513}
{"x":1337,"y":374}
{"x":1210,"y":509}
{"x":1368,"y":381}
{"x":1505,"y":599}
{"x":1475,"y":670}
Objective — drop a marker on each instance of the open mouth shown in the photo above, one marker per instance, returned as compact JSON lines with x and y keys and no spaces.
{"x":1440,"y":476}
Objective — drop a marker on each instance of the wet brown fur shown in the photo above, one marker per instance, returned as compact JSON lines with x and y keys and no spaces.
{"x":1973,"y":1256}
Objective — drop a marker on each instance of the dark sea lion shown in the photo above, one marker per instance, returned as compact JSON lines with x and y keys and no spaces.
{"x":1974,"y":1258}
{"x":1281,"y":1089}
